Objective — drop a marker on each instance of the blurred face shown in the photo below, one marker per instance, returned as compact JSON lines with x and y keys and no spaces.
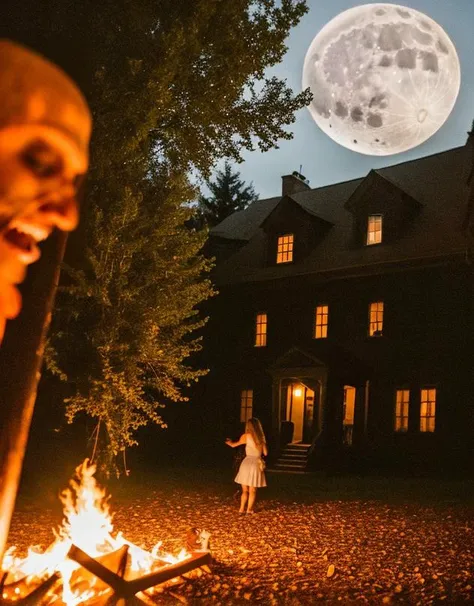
{"x":38,"y":175}
{"x":45,"y":126}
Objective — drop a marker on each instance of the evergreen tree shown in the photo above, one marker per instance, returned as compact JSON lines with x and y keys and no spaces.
{"x":174,"y":86}
{"x":228,"y":194}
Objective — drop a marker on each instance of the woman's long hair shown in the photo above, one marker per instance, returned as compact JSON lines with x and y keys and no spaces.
{"x":254,"y":428}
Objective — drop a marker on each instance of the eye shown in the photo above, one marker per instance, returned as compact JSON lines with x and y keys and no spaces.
{"x":42,"y":160}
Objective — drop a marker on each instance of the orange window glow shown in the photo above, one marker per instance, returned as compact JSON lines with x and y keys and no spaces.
{"x":402,"y":404}
{"x":261,"y":330}
{"x":321,"y":322}
{"x":376,"y":319}
{"x":246,"y":404}
{"x":374,"y":229}
{"x":285,"y":248}
{"x":428,"y":410}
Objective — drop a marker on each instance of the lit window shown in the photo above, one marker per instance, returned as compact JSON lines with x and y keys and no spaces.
{"x":246,"y":403}
{"x":376,"y":319}
{"x":428,"y":410}
{"x":321,"y":324}
{"x":261,"y":330}
{"x":402,"y":403}
{"x":285,"y":249}
{"x":374,"y":229}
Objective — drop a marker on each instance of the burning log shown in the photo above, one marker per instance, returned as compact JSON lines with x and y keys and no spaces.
{"x":14,"y":593}
{"x":98,"y":569}
{"x":91,"y":565}
{"x":105,"y":574}
{"x":116,"y":562}
{"x":127,"y":589}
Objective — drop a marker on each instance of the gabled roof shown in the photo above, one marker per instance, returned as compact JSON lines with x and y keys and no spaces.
{"x":306,"y":208}
{"x":242,"y":224}
{"x":323,"y":355}
{"x":296,"y":358}
{"x":366,"y":187}
{"x":437,"y":182}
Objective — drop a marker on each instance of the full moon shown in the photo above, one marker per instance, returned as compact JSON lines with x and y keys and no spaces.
{"x":384,"y":78}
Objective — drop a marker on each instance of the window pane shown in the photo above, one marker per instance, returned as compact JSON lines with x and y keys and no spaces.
{"x":428,"y":410}
{"x":402,"y":404}
{"x":374,"y":229}
{"x":261,"y":330}
{"x":246,"y":405}
{"x":285,"y":248}
{"x":376,"y":319}
{"x":321,"y":322}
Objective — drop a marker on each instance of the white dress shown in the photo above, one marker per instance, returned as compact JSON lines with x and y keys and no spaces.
{"x":250,"y":473}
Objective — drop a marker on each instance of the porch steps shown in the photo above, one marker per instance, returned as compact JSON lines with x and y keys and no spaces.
{"x":293,"y":459}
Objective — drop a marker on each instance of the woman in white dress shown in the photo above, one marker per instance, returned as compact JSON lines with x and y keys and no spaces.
{"x":251,"y":473}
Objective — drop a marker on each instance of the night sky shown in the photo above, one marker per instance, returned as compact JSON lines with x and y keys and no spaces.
{"x":324,"y":161}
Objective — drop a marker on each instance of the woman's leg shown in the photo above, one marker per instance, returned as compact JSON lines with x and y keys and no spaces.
{"x":252,"y":496}
{"x":243,"y":498}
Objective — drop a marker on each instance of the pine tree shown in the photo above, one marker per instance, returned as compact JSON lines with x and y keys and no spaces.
{"x":228,"y":195}
{"x":174,"y":87}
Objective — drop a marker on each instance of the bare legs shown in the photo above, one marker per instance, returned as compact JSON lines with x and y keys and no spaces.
{"x":252,"y":496}
{"x":247,"y":497}
{"x":243,"y":498}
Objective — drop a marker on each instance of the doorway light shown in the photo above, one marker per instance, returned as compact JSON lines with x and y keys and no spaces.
{"x":297,"y":392}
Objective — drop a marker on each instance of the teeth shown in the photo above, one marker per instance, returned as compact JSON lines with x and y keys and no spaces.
{"x":37,"y":232}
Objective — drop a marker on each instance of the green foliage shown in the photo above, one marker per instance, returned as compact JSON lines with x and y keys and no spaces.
{"x":228,"y":195}
{"x":174,"y":86}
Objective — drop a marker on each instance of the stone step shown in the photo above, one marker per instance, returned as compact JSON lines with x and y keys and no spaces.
{"x":285,"y":461}
{"x":293,"y":459}
{"x":280,"y":465}
{"x":293,"y":471}
{"x":297,"y":448}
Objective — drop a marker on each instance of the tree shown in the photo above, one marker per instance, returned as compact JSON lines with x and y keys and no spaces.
{"x":174,"y":86}
{"x":228,"y":194}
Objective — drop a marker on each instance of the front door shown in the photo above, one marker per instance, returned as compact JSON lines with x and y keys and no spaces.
{"x":300,"y":410}
{"x":348,"y":414}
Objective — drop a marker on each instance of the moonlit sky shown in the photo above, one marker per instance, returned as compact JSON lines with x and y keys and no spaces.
{"x":323,"y":161}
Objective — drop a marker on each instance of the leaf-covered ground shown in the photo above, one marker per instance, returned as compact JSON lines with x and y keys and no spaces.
{"x":333,"y":540}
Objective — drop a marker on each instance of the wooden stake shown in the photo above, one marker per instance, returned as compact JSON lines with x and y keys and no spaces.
{"x":21,"y":356}
{"x":128,"y":589}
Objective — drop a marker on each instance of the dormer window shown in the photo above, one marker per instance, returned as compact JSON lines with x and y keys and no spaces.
{"x":285,"y":248}
{"x":374,"y":229}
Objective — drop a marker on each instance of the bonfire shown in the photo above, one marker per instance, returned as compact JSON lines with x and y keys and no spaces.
{"x":87,"y":563}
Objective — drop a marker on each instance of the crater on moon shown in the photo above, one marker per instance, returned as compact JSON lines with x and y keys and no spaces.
{"x":381,"y":68}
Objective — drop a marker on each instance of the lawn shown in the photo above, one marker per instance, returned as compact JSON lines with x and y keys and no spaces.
{"x":315,"y":538}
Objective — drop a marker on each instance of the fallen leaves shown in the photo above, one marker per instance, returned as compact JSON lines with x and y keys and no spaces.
{"x":298,"y":553}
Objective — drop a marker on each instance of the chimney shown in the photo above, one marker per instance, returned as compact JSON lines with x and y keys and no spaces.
{"x":468,"y":221}
{"x":293,"y":184}
{"x":470,"y":143}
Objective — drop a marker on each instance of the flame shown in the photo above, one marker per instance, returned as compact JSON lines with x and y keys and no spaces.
{"x":87,"y":524}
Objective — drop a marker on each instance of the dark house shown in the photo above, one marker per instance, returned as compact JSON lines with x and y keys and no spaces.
{"x":345,"y":317}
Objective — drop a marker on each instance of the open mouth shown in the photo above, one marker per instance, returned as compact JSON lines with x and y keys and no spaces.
{"x":19,"y":239}
{"x":23,"y":240}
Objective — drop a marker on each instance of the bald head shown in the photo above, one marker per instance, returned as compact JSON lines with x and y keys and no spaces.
{"x":45,"y":126}
{"x":34,"y":91}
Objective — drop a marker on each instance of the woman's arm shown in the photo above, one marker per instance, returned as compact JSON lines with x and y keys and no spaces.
{"x":265,"y":449}
{"x":242,"y":440}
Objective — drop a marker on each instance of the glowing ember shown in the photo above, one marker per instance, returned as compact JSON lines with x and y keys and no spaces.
{"x":88,"y":526}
